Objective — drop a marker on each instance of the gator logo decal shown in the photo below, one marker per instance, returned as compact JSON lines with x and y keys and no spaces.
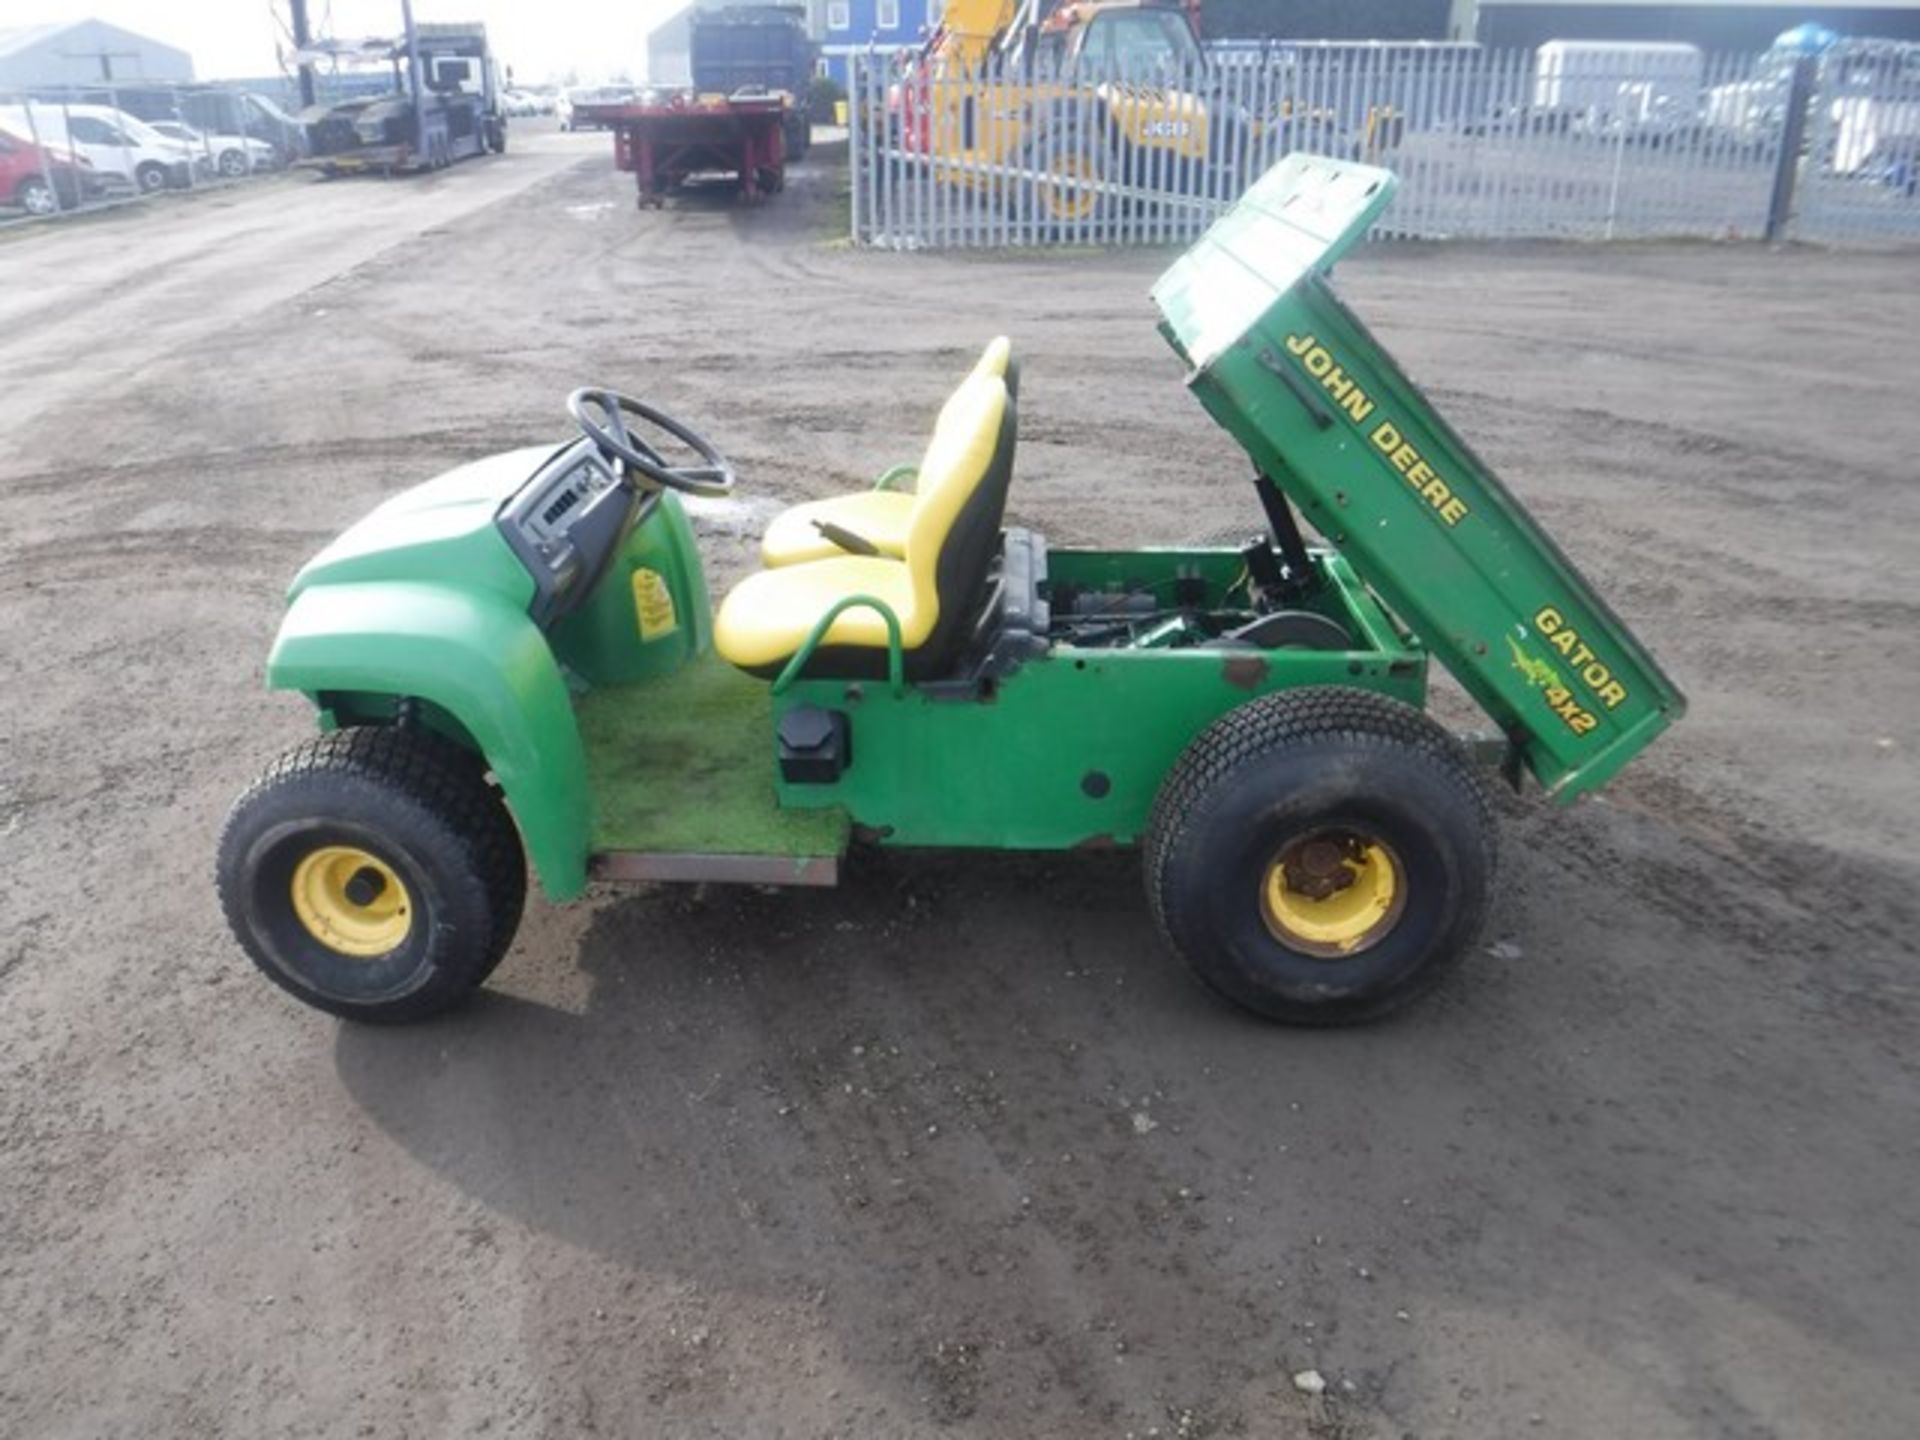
{"x":1560,"y":699}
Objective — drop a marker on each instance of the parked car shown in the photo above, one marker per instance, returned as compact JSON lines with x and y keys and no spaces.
{"x":519,"y":103}
{"x":118,"y":146}
{"x":581,"y":95}
{"x":25,"y":169}
{"x":210,"y":109}
{"x":228,"y":155}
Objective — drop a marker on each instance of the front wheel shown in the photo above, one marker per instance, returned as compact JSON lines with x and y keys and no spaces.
{"x":374,"y":874}
{"x":233,"y":164}
{"x":1321,"y":856}
{"x":1068,"y":171}
{"x":36,"y":197}
{"x":151,"y":177}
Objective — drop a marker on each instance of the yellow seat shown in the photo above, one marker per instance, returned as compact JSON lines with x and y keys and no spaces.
{"x":948,"y":550}
{"x":878,"y":516}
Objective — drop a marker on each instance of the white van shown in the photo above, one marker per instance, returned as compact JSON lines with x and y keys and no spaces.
{"x":1619,"y":87}
{"x":115,"y":143}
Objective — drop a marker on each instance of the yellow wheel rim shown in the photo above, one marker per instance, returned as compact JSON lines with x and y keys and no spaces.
{"x":1333,"y":893}
{"x":1069,"y":202}
{"x":351,"y":901}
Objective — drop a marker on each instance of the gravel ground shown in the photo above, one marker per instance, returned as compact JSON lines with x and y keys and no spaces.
{"x":955,"y":1149}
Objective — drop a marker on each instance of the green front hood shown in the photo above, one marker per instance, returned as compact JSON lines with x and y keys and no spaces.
{"x":440,"y":531}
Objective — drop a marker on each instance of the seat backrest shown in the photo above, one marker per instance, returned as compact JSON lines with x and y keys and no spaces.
{"x":997,"y":362}
{"x":958,"y":507}
{"x":997,"y":359}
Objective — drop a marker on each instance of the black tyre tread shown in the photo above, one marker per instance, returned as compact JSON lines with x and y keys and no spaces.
{"x":1294,"y":717}
{"x":442,"y":777}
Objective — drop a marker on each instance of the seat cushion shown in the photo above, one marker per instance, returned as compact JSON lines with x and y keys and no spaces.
{"x":766,"y":617}
{"x":877,"y":515}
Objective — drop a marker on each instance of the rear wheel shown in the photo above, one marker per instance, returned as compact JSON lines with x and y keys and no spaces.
{"x":374,"y":874}
{"x":798,"y":137}
{"x":1321,"y":856}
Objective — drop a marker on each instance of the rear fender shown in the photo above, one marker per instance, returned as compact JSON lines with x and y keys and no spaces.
{"x":474,"y":656}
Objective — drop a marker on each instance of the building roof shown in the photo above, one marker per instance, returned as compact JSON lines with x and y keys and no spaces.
{"x":15,"y":38}
{"x":87,"y":50}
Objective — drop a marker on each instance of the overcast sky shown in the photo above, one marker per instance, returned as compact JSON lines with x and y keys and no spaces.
{"x":236,"y":37}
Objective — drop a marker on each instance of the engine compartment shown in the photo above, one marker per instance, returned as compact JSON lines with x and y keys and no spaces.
{"x":1226,"y":599}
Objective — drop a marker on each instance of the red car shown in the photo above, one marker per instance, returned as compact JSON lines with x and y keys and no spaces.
{"x":24,"y":171}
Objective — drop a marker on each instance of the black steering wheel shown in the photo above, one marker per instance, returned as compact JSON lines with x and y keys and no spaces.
{"x":602,"y":417}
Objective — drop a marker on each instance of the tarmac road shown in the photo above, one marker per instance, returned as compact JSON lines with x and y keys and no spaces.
{"x":955,"y":1149}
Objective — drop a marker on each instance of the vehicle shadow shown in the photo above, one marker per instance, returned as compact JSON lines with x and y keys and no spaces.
{"x":904,"y":1109}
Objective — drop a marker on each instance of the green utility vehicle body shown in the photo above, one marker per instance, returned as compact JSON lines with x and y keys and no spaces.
{"x":1327,"y":415}
{"x":626,"y":749}
{"x":641,"y":757}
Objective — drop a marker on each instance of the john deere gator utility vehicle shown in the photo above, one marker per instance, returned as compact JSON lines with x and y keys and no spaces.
{"x":518,"y":661}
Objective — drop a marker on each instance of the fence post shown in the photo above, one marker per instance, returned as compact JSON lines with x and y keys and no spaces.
{"x":1793,"y":134}
{"x":856,"y":162}
{"x":46,"y":160}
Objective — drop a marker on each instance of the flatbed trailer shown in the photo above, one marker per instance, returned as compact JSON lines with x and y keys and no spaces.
{"x":664,"y":143}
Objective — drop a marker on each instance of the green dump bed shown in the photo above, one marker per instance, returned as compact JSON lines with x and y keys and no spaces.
{"x":1325,"y":412}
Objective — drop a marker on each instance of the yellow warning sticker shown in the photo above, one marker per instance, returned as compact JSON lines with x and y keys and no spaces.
{"x":653,"y":604}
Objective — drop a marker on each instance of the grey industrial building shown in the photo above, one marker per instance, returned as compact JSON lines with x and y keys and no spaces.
{"x":86,"y":52}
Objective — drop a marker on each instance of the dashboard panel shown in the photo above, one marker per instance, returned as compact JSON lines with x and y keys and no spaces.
{"x":565,"y":524}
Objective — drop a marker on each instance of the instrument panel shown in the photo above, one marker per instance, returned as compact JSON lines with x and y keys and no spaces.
{"x":565,"y":524}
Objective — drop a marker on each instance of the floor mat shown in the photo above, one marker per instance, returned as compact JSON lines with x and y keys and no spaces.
{"x":685,"y":765}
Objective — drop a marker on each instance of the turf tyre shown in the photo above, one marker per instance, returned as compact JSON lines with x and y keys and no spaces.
{"x":420,"y":804}
{"x":1283,"y":767}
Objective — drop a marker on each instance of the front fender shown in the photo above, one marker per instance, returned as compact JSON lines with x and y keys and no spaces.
{"x":482,"y":661}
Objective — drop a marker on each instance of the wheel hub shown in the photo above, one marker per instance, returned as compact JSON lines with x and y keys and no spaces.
{"x":351,"y":901}
{"x":1069,"y":200}
{"x":1333,"y":893}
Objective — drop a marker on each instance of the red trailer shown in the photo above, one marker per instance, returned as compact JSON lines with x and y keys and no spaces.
{"x":663,"y":142}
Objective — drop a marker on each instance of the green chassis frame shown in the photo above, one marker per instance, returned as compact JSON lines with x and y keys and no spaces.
{"x":1070,"y":749}
{"x":1066,"y":751}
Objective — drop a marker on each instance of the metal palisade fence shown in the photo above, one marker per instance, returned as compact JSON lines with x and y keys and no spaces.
{"x":1570,"y":142}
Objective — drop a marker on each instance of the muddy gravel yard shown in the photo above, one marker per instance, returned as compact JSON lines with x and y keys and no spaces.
{"x":955,"y":1149}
